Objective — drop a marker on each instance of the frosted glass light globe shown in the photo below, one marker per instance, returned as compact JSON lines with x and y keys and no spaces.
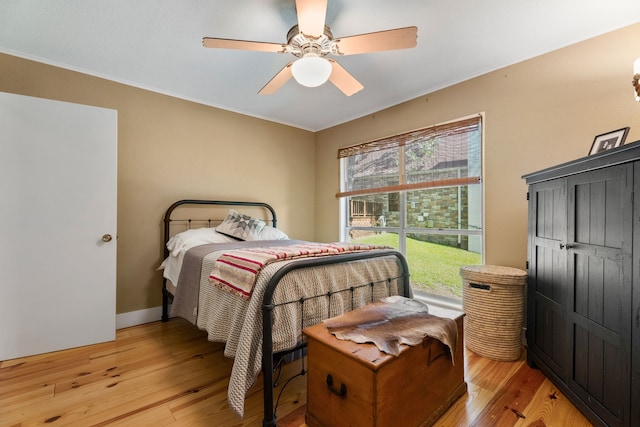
{"x":311,"y":71}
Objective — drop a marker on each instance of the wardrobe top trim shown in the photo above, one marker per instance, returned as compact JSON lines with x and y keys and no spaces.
{"x":624,"y":154}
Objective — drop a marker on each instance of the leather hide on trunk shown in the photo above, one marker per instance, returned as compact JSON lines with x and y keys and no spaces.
{"x":391,"y":322}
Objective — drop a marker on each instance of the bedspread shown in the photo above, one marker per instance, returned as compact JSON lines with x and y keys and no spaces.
{"x":236,"y":271}
{"x":185,"y":300}
{"x":238,"y":322}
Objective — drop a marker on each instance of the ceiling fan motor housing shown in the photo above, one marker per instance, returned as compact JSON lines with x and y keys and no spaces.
{"x":300,"y":45}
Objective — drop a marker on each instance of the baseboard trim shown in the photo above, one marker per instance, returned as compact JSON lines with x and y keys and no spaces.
{"x":138,"y":317}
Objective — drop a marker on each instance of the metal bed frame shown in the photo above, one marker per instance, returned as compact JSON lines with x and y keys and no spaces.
{"x":268,"y":306}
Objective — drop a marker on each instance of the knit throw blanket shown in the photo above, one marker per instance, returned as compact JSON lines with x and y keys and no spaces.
{"x":236,"y":271}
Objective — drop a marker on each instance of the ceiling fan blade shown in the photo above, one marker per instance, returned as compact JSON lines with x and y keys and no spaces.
{"x":277,"y":81}
{"x":400,"y":38}
{"x":311,"y":17}
{"x":242,"y":45}
{"x":343,"y":80}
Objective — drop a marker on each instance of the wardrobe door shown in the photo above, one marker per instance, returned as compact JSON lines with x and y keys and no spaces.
{"x":635,"y":310}
{"x":547,"y":336}
{"x":599,"y":250}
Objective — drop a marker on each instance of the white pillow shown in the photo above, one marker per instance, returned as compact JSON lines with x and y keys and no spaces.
{"x":241,"y":227}
{"x":270,"y":233}
{"x":184,"y":241}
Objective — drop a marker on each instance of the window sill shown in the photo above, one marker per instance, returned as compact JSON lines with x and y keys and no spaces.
{"x":438,"y":302}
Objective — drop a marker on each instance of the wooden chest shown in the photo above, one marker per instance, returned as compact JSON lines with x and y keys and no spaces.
{"x":351,"y":384}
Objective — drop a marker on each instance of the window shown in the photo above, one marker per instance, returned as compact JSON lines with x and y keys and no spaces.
{"x":419,"y":192}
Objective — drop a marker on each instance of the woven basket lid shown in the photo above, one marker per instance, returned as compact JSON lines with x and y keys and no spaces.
{"x":494,"y":273}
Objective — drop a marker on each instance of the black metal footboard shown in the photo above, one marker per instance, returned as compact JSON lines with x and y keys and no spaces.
{"x":268,"y":307}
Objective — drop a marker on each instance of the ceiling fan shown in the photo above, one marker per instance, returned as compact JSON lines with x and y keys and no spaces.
{"x":311,"y":41}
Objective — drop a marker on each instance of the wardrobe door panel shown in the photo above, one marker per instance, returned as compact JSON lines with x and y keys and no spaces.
{"x":547,"y":290}
{"x":599,"y":249}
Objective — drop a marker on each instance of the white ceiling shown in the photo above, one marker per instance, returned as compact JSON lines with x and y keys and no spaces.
{"x":157,"y":45}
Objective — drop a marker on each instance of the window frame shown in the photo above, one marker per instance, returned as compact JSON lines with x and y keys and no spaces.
{"x":402,"y":230}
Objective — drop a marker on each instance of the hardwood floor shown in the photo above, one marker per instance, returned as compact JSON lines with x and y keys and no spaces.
{"x":168,"y":374}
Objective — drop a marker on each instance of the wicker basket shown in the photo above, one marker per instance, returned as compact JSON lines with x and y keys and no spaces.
{"x":493,"y":300}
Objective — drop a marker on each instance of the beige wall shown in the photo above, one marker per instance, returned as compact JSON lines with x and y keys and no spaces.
{"x":538,"y":113}
{"x":170,"y":149}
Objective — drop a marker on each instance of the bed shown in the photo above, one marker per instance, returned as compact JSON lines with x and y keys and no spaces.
{"x":263,"y":322}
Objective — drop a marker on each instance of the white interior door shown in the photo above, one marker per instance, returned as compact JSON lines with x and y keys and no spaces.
{"x":58,"y":183}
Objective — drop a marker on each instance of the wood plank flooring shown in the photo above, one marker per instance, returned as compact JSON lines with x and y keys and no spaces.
{"x":168,"y":374}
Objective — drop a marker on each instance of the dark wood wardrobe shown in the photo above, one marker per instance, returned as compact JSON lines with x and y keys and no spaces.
{"x":583,"y":293}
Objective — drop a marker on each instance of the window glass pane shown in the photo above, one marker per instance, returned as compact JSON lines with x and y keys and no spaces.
{"x":374,"y":210}
{"x":443,"y":157}
{"x":435,"y":266}
{"x":455,"y":208}
{"x":376,"y":238}
{"x":372,"y":170}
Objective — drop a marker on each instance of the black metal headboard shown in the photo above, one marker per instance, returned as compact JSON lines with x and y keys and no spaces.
{"x":168,"y":219}
{"x":208,"y":221}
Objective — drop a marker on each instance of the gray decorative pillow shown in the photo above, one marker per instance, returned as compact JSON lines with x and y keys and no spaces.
{"x":241,"y":227}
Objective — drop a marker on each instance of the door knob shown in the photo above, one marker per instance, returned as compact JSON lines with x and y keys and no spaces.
{"x":107,"y":238}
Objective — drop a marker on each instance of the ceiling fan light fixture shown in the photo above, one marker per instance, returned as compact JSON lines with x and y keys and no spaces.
{"x":311,"y":40}
{"x":311,"y":70}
